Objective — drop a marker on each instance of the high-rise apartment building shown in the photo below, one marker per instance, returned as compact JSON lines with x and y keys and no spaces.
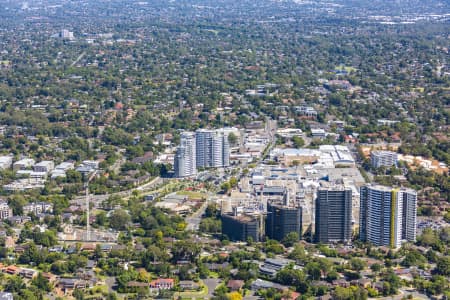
{"x":387,"y":215}
{"x":241,"y":227}
{"x":185,"y":156}
{"x":213,"y":149}
{"x":409,"y":220}
{"x":282,"y":220}
{"x":333,"y":217}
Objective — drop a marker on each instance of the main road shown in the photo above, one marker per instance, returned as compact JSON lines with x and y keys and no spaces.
{"x":193,"y":221}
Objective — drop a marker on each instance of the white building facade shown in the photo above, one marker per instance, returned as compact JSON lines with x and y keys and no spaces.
{"x":383,"y":159}
{"x":212,"y":148}
{"x":185,"y":156}
{"x":387,"y":215}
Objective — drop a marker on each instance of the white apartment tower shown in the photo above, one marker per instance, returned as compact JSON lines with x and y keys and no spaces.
{"x":185,"y":157}
{"x":387,"y":215}
{"x":213,"y":149}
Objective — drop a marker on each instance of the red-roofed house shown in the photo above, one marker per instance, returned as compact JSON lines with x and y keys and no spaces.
{"x":162,"y":284}
{"x":235,"y":285}
{"x":12,"y":270}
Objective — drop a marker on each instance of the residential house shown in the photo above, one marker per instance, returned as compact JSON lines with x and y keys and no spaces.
{"x":235,"y":285}
{"x":28,"y":273}
{"x":162,"y":284}
{"x":12,"y":270}
{"x":72,"y":283}
{"x":23,"y":164}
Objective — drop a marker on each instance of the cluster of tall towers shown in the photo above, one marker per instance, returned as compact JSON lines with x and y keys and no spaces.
{"x":203,"y":149}
{"x":387,"y":215}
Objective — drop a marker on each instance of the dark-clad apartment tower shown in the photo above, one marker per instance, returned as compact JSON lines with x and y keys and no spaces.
{"x":283,"y":219}
{"x":333,"y":214}
{"x":240,"y":227}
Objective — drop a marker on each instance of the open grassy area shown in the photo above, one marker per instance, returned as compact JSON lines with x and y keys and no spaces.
{"x":193,"y":295}
{"x":345,"y":68}
{"x":190,"y":194}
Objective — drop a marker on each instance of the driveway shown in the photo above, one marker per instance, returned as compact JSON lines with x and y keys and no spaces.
{"x":212,"y":284}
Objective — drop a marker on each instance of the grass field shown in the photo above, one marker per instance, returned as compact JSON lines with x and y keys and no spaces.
{"x":193,"y":295}
{"x":190,"y":194}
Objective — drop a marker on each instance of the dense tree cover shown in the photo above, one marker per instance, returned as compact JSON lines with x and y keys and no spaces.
{"x":178,"y":66}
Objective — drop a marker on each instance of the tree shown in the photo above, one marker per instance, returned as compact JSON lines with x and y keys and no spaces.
{"x":290,"y":239}
{"x":78,"y":294}
{"x":101,"y":219}
{"x":119,"y":219}
{"x":234,"y":296}
{"x":357,"y":264}
{"x":447,"y":217}
{"x":233,"y":182}
{"x":313,"y":269}
{"x":443,"y":266}
{"x":232,"y":139}
{"x":225,"y":187}
{"x":413,"y":258}
{"x":41,"y":283}
{"x":298,"y":253}
{"x":298,"y":142}
{"x":14,"y":284}
{"x":375,"y":267}
{"x":341,"y":293}
{"x":111,"y":296}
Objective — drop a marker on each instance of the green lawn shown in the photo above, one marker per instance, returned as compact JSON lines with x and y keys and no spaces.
{"x":190,"y":194}
{"x":190,"y":295}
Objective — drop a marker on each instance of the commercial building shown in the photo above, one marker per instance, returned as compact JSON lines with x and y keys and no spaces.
{"x":282,"y":220}
{"x":5,"y":162}
{"x":288,"y":156}
{"x":318,"y":133}
{"x":387,"y":215}
{"x":44,"y":166}
{"x":212,"y":148}
{"x":185,"y":157}
{"x":289,"y":133}
{"x":66,"y":34}
{"x":327,"y":156}
{"x":333,"y":217}
{"x":383,"y":159}
{"x":241,"y":227}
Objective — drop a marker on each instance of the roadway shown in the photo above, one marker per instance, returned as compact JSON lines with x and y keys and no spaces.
{"x":404,"y":293}
{"x":212,"y":284}
{"x":193,"y":221}
{"x":78,"y":59}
